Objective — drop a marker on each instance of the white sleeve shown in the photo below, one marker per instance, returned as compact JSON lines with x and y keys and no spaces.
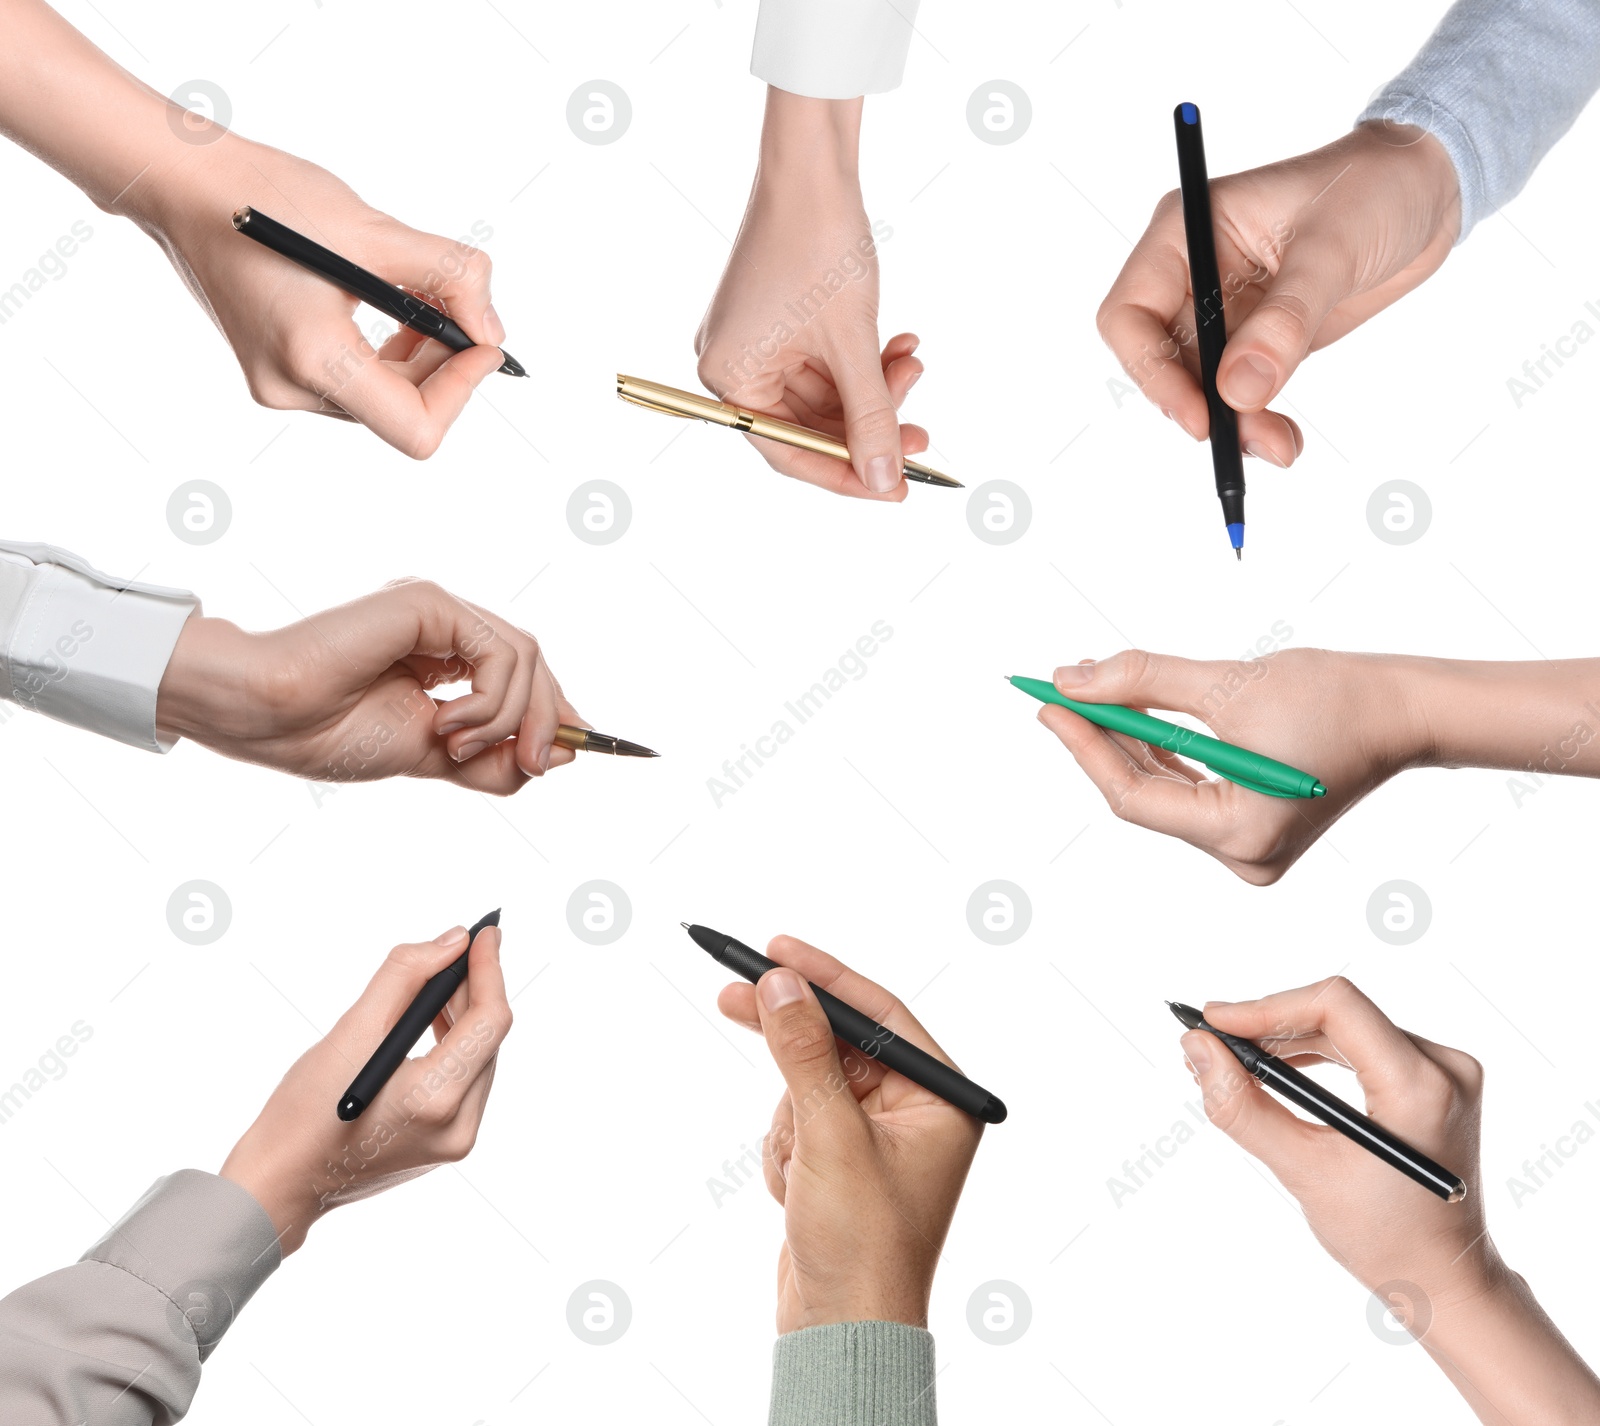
{"x":833,"y":49}
{"x":84,"y":647}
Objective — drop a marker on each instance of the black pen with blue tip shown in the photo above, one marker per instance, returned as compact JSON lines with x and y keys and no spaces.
{"x":1211,"y":333}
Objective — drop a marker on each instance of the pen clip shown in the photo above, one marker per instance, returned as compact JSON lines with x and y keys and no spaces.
{"x":653,"y":406}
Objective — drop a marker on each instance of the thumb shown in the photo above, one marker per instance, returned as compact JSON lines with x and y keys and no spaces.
{"x":1236,"y":1103}
{"x":1273,"y":340}
{"x":871,"y":423}
{"x":456,"y":275}
{"x":802,"y":1045}
{"x":1145,"y":680}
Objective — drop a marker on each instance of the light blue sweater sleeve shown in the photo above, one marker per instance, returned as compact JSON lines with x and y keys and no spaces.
{"x":1497,"y":84}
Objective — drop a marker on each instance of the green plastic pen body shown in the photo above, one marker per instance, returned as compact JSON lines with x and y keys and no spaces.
{"x":1252,"y":770}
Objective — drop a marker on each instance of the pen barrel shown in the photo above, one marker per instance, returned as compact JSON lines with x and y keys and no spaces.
{"x":408,"y":1029}
{"x":1211,"y":334}
{"x":1232,"y":762}
{"x":1306,"y":1093}
{"x":877,"y":1042}
{"x":365,"y":286}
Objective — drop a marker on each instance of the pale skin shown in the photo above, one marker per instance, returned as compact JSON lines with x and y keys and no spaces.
{"x":866,"y":1165}
{"x":1439,"y":1270}
{"x":792,"y":329}
{"x":345,"y":695}
{"x":1352,"y":720}
{"x":300,"y":1161}
{"x":180,"y":177}
{"x":1307,"y":250}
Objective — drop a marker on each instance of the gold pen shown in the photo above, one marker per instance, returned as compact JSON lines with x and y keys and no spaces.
{"x":672,"y":402}
{"x":586,"y":740}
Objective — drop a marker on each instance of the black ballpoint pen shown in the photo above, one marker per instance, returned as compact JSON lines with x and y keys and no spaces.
{"x":876,"y":1041}
{"x":1211,"y":333}
{"x":409,"y":1028}
{"x":366,"y":286}
{"x":1302,"y":1090}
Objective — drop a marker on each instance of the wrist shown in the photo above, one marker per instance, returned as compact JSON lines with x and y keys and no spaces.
{"x":292,"y":1205}
{"x":810,"y":142}
{"x":907,"y":1306}
{"x":1422,"y":166}
{"x":199,"y":680}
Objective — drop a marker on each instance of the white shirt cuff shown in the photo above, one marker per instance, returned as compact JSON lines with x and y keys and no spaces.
{"x":833,"y":49}
{"x":83,"y":647}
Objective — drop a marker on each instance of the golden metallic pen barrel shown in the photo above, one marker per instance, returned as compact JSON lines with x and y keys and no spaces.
{"x":672,"y":402}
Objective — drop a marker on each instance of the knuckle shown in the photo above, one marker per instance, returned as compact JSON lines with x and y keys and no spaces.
{"x":422,"y":440}
{"x":804,"y":1038}
{"x":876,"y":424}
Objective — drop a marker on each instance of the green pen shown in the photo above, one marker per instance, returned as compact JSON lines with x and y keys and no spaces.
{"x":1240,"y":765}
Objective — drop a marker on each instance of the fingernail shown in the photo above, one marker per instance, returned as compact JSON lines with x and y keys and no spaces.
{"x":453,"y":937}
{"x":1249,"y":382}
{"x":450,"y":728}
{"x":468,"y":750}
{"x":1261,"y":452}
{"x":881,"y":474}
{"x":544,"y":757}
{"x":493,"y":326}
{"x":1180,"y":423}
{"x":1194,"y":1046}
{"x":780,"y":987}
{"x":783,"y":1168}
{"x":916,"y":376}
{"x":1075,"y":675}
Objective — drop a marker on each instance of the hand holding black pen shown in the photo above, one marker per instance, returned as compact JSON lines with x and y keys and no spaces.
{"x":1430,"y":1263}
{"x":867,"y":1165}
{"x":1359,"y":1201}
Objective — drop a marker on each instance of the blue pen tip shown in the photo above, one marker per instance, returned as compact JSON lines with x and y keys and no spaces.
{"x":1236,"y":535}
{"x":1191,"y":115}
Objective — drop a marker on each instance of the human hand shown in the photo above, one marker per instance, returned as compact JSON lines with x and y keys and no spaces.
{"x":343,"y":696}
{"x":1376,"y":1222}
{"x":1352,"y":720}
{"x":866,"y":1165}
{"x":295,"y":334}
{"x":1308,"y":249}
{"x":300,"y":1160}
{"x":792,"y":330}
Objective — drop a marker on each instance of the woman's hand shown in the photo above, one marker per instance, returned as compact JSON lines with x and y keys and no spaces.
{"x":792,"y":330}
{"x":1307,"y":250}
{"x":181,"y":178}
{"x":300,"y":1160}
{"x":867,"y":1165}
{"x":344,"y":696}
{"x":1352,"y":720}
{"x":1430,"y":1263}
{"x":295,"y":335}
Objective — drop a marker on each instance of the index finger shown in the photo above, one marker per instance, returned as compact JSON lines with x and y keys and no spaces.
{"x":1136,"y":320}
{"x":871,"y":999}
{"x":1330,"y":1015}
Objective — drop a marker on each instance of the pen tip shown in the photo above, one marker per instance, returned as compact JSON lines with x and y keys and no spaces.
{"x":684,"y":924}
{"x":1238,"y":554}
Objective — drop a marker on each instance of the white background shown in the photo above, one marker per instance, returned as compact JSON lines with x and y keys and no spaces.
{"x":732,"y":591}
